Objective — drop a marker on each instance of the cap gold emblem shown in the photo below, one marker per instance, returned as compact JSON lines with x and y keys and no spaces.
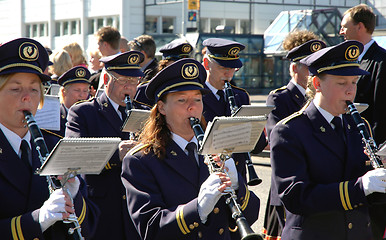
{"x":80,"y":73}
{"x":28,"y":51}
{"x":133,"y":59}
{"x":316,"y":46}
{"x":352,"y":53}
{"x":186,"y":48}
{"x":234,"y":51}
{"x":189,"y":71}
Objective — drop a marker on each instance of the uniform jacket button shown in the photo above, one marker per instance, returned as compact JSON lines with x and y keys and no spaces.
{"x":191,"y":226}
{"x":350,"y":226}
{"x":36,"y":238}
{"x":124,"y":197}
{"x":199,"y":234}
{"x":216,"y":210}
{"x":195,"y":224}
{"x":221,"y":231}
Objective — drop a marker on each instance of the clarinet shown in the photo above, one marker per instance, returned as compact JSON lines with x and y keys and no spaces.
{"x":245,"y":230}
{"x":253,"y":178}
{"x":129,"y":106}
{"x":370,"y":145}
{"x":72,"y":223}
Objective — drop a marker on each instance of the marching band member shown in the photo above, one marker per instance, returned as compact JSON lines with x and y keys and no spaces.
{"x":170,"y":193}
{"x":317,"y":155}
{"x":27,"y":211}
{"x":103,"y":117}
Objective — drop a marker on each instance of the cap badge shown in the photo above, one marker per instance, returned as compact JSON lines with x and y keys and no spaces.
{"x":186,"y":48}
{"x":316,"y":46}
{"x":234,"y":51}
{"x":189,"y":71}
{"x":80,"y":73}
{"x":28,"y":51}
{"x":352,"y":53}
{"x":133,"y":59}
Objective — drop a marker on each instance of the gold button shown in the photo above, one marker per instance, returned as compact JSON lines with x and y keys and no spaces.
{"x":350,"y":226}
{"x":242,"y":198}
{"x":36,"y":238}
{"x":199,"y":234}
{"x":237,"y":163}
{"x":191,"y":226}
{"x":355,"y":206}
{"x":195,"y":224}
{"x":216,"y":210}
{"x":221,"y":231}
{"x":124,"y":197}
{"x":105,"y":104}
{"x":360,"y":204}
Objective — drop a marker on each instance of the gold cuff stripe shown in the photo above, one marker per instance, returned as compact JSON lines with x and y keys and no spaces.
{"x":13,"y":228}
{"x":177,"y":85}
{"x":246,"y":199}
{"x":181,"y":221}
{"x":347,"y":196}
{"x":83,"y":213}
{"x":338,"y":66}
{"x":342,"y":196}
{"x":18,"y":227}
{"x":223,"y":58}
{"x":21,"y":65}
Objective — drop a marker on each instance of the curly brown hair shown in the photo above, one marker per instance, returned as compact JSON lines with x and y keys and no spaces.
{"x":297,"y":38}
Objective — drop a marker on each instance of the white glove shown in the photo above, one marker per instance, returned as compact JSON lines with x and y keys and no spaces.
{"x":52,"y":210}
{"x":232,"y":173}
{"x":73,"y":187}
{"x":208,"y":196}
{"x":374,"y":181}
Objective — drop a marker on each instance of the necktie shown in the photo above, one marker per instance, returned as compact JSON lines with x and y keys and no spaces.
{"x":190,"y":148}
{"x":122,"y":109}
{"x":222,"y":101}
{"x":338,"y":127}
{"x":25,"y":153}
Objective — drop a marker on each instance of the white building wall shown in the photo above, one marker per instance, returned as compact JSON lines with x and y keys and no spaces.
{"x":10,"y":20}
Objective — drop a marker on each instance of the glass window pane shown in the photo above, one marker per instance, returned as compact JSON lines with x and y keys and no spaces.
{"x":109,"y":21}
{"x":151,"y":24}
{"x":65,"y":28}
{"x":42,"y":28}
{"x":57,"y":28}
{"x":91,"y":29}
{"x":167,"y":25}
{"x":213,"y":24}
{"x":100,"y":23}
{"x":34,"y":30}
{"x":28,"y":31}
{"x":73,"y":27}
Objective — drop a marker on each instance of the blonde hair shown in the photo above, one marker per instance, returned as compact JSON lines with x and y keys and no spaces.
{"x":5,"y":78}
{"x":61,"y":62}
{"x":76,"y":54}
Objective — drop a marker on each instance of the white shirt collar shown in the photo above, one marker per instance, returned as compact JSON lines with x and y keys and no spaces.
{"x":214,"y":90}
{"x":14,"y":139}
{"x":181,"y":142}
{"x":365,"y":48}
{"x":301,"y":89}
{"x":328,"y":116}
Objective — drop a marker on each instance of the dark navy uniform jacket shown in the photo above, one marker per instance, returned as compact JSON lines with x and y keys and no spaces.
{"x":23,"y":193}
{"x":162,"y":198}
{"x":213,"y":108}
{"x":98,"y":118}
{"x":287,"y":100}
{"x":319,"y":178}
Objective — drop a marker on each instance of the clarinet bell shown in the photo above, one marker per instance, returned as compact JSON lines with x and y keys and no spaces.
{"x":245,"y":230}
{"x":253,"y":179}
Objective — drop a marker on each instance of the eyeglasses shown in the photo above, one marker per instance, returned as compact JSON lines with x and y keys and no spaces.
{"x":126,"y":80}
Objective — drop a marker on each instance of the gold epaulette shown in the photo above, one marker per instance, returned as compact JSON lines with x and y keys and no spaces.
{"x":295,"y":114}
{"x":277,"y":89}
{"x":86,"y":100}
{"x":137,"y":148}
{"x":52,"y":133}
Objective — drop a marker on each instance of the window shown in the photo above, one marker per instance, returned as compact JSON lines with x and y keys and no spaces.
{"x":167,"y":25}
{"x":96,"y":23}
{"x":151,"y":24}
{"x":65,"y":28}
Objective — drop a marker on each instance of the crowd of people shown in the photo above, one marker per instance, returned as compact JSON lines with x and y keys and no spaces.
{"x":156,"y":185}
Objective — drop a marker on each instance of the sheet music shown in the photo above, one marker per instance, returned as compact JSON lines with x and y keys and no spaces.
{"x":361,"y":106}
{"x":86,"y":155}
{"x":135,"y":120}
{"x":49,"y":116}
{"x":253,"y":110}
{"x":232,"y":134}
{"x":54,"y":89}
{"x":382,"y":150}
